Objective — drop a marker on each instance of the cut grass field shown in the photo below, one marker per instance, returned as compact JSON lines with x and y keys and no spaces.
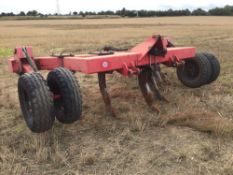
{"x":191,"y":135}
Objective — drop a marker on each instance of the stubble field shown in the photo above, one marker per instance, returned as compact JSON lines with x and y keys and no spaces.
{"x":192,"y":134}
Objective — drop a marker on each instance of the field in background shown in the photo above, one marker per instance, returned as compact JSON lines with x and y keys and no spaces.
{"x":135,"y":142}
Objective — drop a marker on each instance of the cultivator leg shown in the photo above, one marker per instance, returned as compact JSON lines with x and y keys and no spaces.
{"x":161,"y":77}
{"x":147,"y":93}
{"x":149,"y":80}
{"x":105,"y":94}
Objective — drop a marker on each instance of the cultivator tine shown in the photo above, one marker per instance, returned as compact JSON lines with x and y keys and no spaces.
{"x":105,"y":94}
{"x":156,"y":73}
{"x":156,"y":88}
{"x":148,"y":82}
{"x":146,"y":90}
{"x":160,"y":76}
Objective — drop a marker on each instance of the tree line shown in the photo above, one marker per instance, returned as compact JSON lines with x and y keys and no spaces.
{"x":224,"y":11}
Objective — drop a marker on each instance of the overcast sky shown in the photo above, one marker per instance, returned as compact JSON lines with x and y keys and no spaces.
{"x":49,"y":6}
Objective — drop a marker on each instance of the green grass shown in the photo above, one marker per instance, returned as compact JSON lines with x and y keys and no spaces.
{"x":5,"y":52}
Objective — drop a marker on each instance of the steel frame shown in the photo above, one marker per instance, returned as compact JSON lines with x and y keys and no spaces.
{"x":125,"y":62}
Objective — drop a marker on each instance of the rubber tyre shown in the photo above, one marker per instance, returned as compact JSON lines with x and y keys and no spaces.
{"x":195,"y":72}
{"x":36,"y":102}
{"x":215,"y":67}
{"x":68,"y":108}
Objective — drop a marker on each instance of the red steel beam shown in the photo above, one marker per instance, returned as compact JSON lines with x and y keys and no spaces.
{"x":122,"y":62}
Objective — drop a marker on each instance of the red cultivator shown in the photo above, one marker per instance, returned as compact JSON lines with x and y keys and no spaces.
{"x":59,"y":96}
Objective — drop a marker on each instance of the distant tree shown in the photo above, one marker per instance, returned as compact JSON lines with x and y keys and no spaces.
{"x":225,"y":11}
{"x":229,"y":9}
{"x":169,"y":12}
{"x":32,"y":13}
{"x":186,"y":12}
{"x":22,"y":13}
{"x":75,"y":13}
{"x":88,"y":13}
{"x":42,"y":15}
{"x":106,"y":13}
{"x":122,"y":12}
{"x":199,"y":12}
{"x":91,"y":13}
{"x":81,"y":13}
{"x":7,"y":14}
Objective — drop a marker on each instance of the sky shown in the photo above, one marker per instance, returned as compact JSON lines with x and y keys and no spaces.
{"x":66,"y":6}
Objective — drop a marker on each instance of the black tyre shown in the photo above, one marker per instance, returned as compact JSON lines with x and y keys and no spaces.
{"x":215,"y":67}
{"x":68,"y":105}
{"x":36,"y":102}
{"x":195,"y":72}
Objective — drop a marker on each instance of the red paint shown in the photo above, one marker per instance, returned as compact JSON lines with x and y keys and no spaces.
{"x":127,"y":63}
